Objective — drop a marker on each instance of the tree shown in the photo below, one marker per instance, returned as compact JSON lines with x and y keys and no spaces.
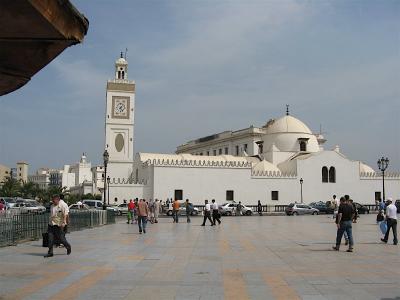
{"x":11,"y":188}
{"x":30,"y":190}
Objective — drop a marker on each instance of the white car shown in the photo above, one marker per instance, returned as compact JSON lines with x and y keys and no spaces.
{"x":229,"y":209}
{"x":29,"y":206}
{"x":122,"y":208}
{"x":98,"y":204}
{"x":76,"y":206}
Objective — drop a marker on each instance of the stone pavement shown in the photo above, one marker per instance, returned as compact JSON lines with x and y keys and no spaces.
{"x":254,"y":257}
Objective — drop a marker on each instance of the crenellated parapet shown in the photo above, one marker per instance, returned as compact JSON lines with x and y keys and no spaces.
{"x":187,"y":163}
{"x":131,"y":181}
{"x":376,"y":175}
{"x":273,"y":174}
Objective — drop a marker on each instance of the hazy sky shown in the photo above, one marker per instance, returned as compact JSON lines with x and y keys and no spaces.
{"x":202,"y":67}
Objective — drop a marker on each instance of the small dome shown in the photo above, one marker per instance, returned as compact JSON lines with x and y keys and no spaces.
{"x":121,"y":61}
{"x":365,"y":168}
{"x":287,"y":124}
{"x":265,"y":166}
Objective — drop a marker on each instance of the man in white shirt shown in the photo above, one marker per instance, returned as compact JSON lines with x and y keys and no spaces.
{"x":207,"y":213}
{"x":58,"y":220}
{"x":215,"y":212}
{"x":391,"y":220}
{"x":335,"y":204}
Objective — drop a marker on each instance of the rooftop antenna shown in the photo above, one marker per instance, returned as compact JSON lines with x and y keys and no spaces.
{"x":287,"y":109}
{"x":126,"y":51}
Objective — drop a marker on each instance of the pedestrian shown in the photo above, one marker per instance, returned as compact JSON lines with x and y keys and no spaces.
{"x":391,"y":220}
{"x":2,"y":205}
{"x":151,"y":209}
{"x":344,"y":224}
{"x":351,"y":202}
{"x":175,"y":210}
{"x":239,"y":209}
{"x":58,"y":220}
{"x":207,"y":213}
{"x":131,"y":211}
{"x":156,"y":210}
{"x":259,"y":208}
{"x":143,"y":212}
{"x":189,"y":209}
{"x":215,"y":212}
{"x":335,"y":203}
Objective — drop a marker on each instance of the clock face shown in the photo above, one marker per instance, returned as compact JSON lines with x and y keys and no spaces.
{"x":120,"y":107}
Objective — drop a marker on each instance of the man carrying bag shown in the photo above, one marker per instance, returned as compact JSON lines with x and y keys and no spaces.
{"x":58,"y":221}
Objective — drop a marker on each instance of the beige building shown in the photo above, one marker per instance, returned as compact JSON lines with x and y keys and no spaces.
{"x":4,"y":173}
{"x":22,"y":171}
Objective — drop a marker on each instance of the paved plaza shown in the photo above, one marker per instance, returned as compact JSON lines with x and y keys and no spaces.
{"x":269,"y":257}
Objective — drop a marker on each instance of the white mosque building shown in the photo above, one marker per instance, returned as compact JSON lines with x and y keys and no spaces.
{"x":257,"y":163}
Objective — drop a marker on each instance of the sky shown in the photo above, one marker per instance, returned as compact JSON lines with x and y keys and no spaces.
{"x":203,"y":67}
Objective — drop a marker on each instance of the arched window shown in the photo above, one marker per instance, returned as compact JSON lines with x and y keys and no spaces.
{"x":119,"y":74}
{"x":324,"y":174}
{"x":137,"y":174}
{"x":123,"y":74}
{"x":332,"y":174}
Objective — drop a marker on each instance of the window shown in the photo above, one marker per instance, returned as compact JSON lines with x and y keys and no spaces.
{"x":332,"y":174}
{"x":245,"y":147}
{"x":178,"y":194}
{"x":220,"y":152}
{"x":201,"y":153}
{"x":303,"y":146}
{"x":275,"y":195}
{"x":260,"y":147}
{"x":237,"y":150}
{"x":226,"y":150}
{"x":229,"y":195}
{"x":378,"y":196}
{"x":324,"y":174}
{"x":215,"y":152}
{"x":208,"y":153}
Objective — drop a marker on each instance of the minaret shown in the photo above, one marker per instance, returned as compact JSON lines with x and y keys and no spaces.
{"x":119,"y":120}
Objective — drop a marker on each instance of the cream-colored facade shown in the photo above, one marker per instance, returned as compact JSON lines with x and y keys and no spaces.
{"x":22,"y":171}
{"x":4,"y":173}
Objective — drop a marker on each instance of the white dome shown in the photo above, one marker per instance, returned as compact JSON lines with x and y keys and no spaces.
{"x":287,"y":124}
{"x":121,"y":61}
{"x":286,"y":133}
{"x":365,"y":168}
{"x":265,"y":166}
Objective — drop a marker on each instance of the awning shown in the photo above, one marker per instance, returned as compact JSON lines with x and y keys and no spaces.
{"x":32,"y":34}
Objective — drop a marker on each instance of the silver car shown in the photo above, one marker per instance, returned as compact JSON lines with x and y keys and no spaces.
{"x":229,"y":209}
{"x":294,"y":209}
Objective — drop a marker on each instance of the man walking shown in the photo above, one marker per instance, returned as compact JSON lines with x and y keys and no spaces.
{"x":391,"y":220}
{"x":58,"y":220}
{"x":156,"y":210}
{"x":344,"y":224}
{"x":215,"y":212}
{"x":239,"y":209}
{"x":259,"y":208}
{"x":207,"y":214}
{"x":143,"y":212}
{"x":335,"y":204}
{"x":189,"y":209}
{"x":175,"y":210}
{"x":131,"y":211}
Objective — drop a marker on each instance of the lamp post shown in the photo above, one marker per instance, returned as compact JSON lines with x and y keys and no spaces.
{"x":301,"y":189}
{"x":383,"y":163}
{"x":106,"y":157}
{"x":108,"y":190}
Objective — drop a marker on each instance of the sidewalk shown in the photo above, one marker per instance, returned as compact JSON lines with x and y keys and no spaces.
{"x":245,"y":258}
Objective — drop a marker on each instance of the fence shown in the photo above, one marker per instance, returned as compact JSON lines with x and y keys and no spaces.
{"x":17,"y":227}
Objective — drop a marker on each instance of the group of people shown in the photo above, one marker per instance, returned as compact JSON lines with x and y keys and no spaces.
{"x":346,"y":213}
{"x":134,"y":213}
{"x":211,"y":210}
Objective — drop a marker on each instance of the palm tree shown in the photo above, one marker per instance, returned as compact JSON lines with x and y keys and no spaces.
{"x":30,"y":190}
{"x":10,"y":188}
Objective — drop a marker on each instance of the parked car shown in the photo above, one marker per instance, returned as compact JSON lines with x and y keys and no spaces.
{"x":122,"y":208}
{"x":76,"y":206}
{"x":9,"y":202}
{"x":182,"y":210}
{"x":361,"y":209}
{"x":294,"y":209}
{"x":322,"y":207}
{"x":98,"y":204}
{"x":29,"y":206}
{"x":229,"y":209}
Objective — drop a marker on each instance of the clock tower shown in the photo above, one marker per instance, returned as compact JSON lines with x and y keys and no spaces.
{"x":120,"y":108}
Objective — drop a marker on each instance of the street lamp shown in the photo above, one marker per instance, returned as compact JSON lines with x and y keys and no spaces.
{"x":301,"y":189}
{"x":108,"y":190}
{"x":383,"y":163}
{"x":106,"y":157}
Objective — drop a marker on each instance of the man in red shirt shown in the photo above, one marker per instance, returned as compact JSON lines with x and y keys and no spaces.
{"x":143,"y":212}
{"x":131,"y":209}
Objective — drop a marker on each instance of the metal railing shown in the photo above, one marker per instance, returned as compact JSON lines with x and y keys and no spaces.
{"x":18,"y":227}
